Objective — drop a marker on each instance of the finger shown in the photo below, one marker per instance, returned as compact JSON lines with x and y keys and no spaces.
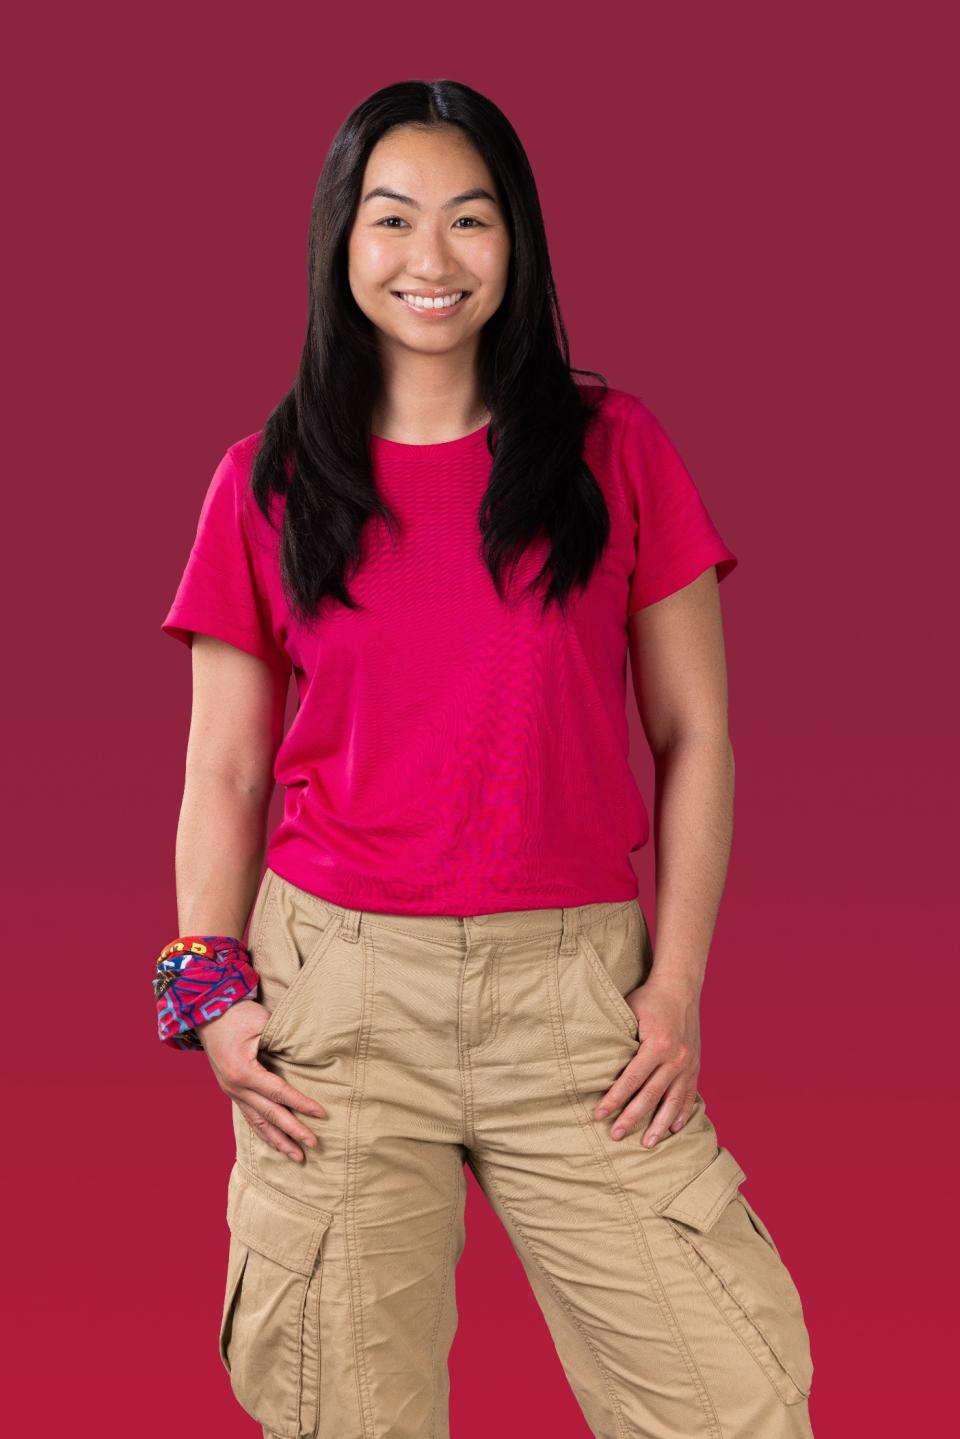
{"x":268,"y":1132}
{"x":666,"y":1113}
{"x":686,"y":1109}
{"x":274,"y":1087}
{"x":270,"y":1102}
{"x":637,"y":1073}
{"x":643,"y":1103}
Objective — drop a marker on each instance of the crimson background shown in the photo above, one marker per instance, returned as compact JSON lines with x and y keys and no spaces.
{"x":750,"y":219}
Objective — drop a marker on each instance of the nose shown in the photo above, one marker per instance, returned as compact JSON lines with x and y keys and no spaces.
{"x":435,"y":266}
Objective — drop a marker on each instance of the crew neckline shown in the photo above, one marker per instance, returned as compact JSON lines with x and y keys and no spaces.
{"x":382,"y":440}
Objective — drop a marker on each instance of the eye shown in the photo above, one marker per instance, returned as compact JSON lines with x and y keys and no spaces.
{"x":387,"y":219}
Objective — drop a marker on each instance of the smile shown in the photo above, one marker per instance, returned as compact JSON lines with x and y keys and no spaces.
{"x":424,"y":305}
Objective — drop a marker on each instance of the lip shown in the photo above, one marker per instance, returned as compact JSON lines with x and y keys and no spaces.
{"x":437,"y":292}
{"x":443,"y":313}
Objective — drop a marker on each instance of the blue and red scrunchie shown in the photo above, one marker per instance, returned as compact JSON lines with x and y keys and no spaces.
{"x":198,"y":978}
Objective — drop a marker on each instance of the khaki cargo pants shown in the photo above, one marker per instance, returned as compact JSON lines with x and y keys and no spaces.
{"x":435,"y":1042}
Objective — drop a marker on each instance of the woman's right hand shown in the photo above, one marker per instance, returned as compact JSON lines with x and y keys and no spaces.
{"x":264,"y":1099}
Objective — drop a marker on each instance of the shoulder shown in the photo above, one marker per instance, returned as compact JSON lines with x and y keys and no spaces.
{"x":241,"y":454}
{"x":621,"y":414}
{"x":231,"y":474}
{"x":614,"y":403}
{"x":644,"y":449}
{"x":261,"y":529}
{"x":622,"y":442}
{"x":237,"y":466}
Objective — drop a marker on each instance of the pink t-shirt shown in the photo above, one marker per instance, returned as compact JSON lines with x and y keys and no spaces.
{"x":452,"y":753}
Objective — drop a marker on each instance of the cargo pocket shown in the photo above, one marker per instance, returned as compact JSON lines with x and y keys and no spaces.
{"x":733,"y":1254}
{"x":270,"y":1327}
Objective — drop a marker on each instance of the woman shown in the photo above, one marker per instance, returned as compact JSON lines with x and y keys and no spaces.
{"x":454,"y":546}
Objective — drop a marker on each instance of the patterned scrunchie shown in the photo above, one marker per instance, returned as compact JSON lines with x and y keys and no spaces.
{"x":198,"y":978}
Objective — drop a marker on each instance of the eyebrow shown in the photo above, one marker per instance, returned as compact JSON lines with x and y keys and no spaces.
{"x":477,"y":193}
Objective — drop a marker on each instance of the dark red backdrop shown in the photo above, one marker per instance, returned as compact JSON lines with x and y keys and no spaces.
{"x":748,"y":218}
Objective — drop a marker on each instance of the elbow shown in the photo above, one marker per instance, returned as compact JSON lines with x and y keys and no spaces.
{"x":688,"y":736}
{"x":211,"y":782}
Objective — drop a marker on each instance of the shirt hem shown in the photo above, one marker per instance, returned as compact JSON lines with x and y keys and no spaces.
{"x":335,"y":891}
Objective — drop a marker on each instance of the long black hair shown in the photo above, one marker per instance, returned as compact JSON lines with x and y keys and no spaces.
{"x":315,"y":446}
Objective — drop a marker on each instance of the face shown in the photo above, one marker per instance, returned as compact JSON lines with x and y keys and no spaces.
{"x":439,"y":229}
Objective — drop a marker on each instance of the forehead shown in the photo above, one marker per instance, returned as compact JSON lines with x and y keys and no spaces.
{"x":431,"y":160}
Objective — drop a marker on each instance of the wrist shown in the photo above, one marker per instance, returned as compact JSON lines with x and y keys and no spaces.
{"x":681,"y":981}
{"x":198,"y":977}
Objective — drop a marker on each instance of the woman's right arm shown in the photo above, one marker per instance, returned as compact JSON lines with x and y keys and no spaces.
{"x":236,"y":726}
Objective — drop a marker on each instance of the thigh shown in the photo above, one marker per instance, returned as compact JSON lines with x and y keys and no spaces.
{"x":670,"y":1306}
{"x":340,"y":1301}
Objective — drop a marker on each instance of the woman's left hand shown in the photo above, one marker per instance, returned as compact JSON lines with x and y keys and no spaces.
{"x":666,"y":1067}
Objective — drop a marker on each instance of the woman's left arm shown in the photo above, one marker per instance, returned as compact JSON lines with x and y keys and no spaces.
{"x":680,"y":680}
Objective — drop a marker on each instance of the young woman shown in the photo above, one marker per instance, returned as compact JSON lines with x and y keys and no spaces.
{"x":454,"y":546}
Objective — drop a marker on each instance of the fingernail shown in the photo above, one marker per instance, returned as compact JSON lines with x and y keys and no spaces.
{"x":600,"y":1112}
{"x":618,"y":1133}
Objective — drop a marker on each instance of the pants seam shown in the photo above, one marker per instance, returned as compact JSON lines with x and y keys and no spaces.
{"x":448,"y":1250}
{"x":531,"y":1248}
{"x":254,"y":940}
{"x":351,"y":1246}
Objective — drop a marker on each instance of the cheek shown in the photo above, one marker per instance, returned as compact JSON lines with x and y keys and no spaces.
{"x":370,"y":260}
{"x":491,"y":263}
{"x":379,"y":257}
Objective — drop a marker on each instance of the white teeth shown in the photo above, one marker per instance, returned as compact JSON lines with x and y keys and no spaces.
{"x":424,"y":302}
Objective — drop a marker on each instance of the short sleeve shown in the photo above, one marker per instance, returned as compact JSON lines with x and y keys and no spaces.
{"x":219,"y":593}
{"x":676,"y":537}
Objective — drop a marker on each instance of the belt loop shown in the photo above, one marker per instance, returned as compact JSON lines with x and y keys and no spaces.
{"x":350,"y":924}
{"x":570,"y":928}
